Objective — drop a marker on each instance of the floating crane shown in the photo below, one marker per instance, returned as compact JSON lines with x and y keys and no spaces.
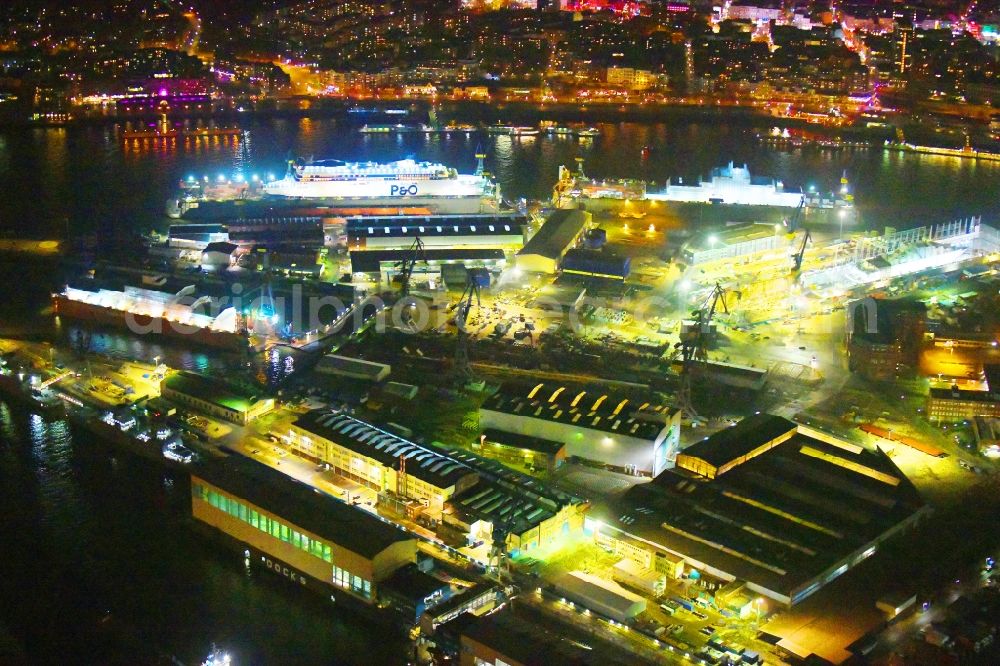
{"x":693,"y":345}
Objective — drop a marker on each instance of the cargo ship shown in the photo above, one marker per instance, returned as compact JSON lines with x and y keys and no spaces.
{"x":731,"y":195}
{"x":728,"y":185}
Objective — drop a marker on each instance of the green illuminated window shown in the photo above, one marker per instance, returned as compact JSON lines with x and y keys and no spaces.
{"x":327,"y":554}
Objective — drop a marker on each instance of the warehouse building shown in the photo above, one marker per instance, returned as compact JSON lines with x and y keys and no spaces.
{"x":352,"y":368}
{"x":214,"y":397}
{"x":602,"y":596}
{"x":779,"y":506}
{"x":545,"y":250}
{"x":398,"y":232}
{"x":513,"y":450}
{"x":289,"y":528}
{"x":521,"y":635}
{"x":531,"y":516}
{"x":622,"y":434}
{"x":745,"y":242}
{"x":434,"y":264}
{"x":379,"y":459}
{"x":596,"y":264}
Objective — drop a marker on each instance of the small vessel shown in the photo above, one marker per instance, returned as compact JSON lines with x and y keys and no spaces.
{"x":217,"y":657}
{"x":500,"y":129}
{"x":524,"y":131}
{"x":588,"y":132}
{"x":460,"y":127}
{"x":965,"y":152}
{"x":386,"y":129}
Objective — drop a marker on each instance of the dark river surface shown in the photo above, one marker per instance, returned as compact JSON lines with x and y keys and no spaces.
{"x":97,"y":562}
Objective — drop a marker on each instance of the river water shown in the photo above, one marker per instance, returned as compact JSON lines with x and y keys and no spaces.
{"x":97,"y":563}
{"x":87,"y":180}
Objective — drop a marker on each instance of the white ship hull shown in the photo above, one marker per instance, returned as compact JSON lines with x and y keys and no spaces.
{"x":372,"y":188}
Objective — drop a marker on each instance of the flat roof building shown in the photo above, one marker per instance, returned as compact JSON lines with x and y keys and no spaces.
{"x":734,"y":242}
{"x":355,"y":368}
{"x":776,"y":505}
{"x":603,"y":596}
{"x":525,"y":636}
{"x":532,"y":517}
{"x":754,"y":435}
{"x":398,"y":232}
{"x":953,"y":404}
{"x":560,"y":232}
{"x":291,"y":529}
{"x":434,"y":263}
{"x":516,"y":450}
{"x":596,"y":264}
{"x":214,"y":397}
{"x":621,"y":433}
{"x":379,"y":459}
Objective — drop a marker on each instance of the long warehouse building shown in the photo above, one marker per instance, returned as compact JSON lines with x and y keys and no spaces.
{"x":780,"y":506}
{"x":398,"y":232}
{"x":289,"y":528}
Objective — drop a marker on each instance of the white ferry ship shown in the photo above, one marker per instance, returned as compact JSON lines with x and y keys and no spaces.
{"x":332,"y":179}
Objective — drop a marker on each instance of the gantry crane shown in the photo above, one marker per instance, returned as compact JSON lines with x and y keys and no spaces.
{"x":693,"y":345}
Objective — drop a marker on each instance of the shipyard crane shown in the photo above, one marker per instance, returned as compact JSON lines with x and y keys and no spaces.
{"x":794,"y":224}
{"x":474,"y":279}
{"x":693,"y":345}
{"x":409,"y":262}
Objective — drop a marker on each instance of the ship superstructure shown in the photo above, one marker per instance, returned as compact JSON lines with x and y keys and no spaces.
{"x":372,"y":180}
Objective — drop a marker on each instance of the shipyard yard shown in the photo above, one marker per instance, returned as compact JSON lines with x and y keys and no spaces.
{"x":726,"y":421}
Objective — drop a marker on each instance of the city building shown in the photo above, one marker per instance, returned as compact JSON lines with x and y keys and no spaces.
{"x":300,"y":534}
{"x":214,"y":397}
{"x":633,"y":79}
{"x":378,"y":459}
{"x":353,"y":368}
{"x":950,"y":405}
{"x":886,"y":336}
{"x":619,"y":433}
{"x":398,"y":232}
{"x":780,"y":506}
{"x":561,"y":231}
